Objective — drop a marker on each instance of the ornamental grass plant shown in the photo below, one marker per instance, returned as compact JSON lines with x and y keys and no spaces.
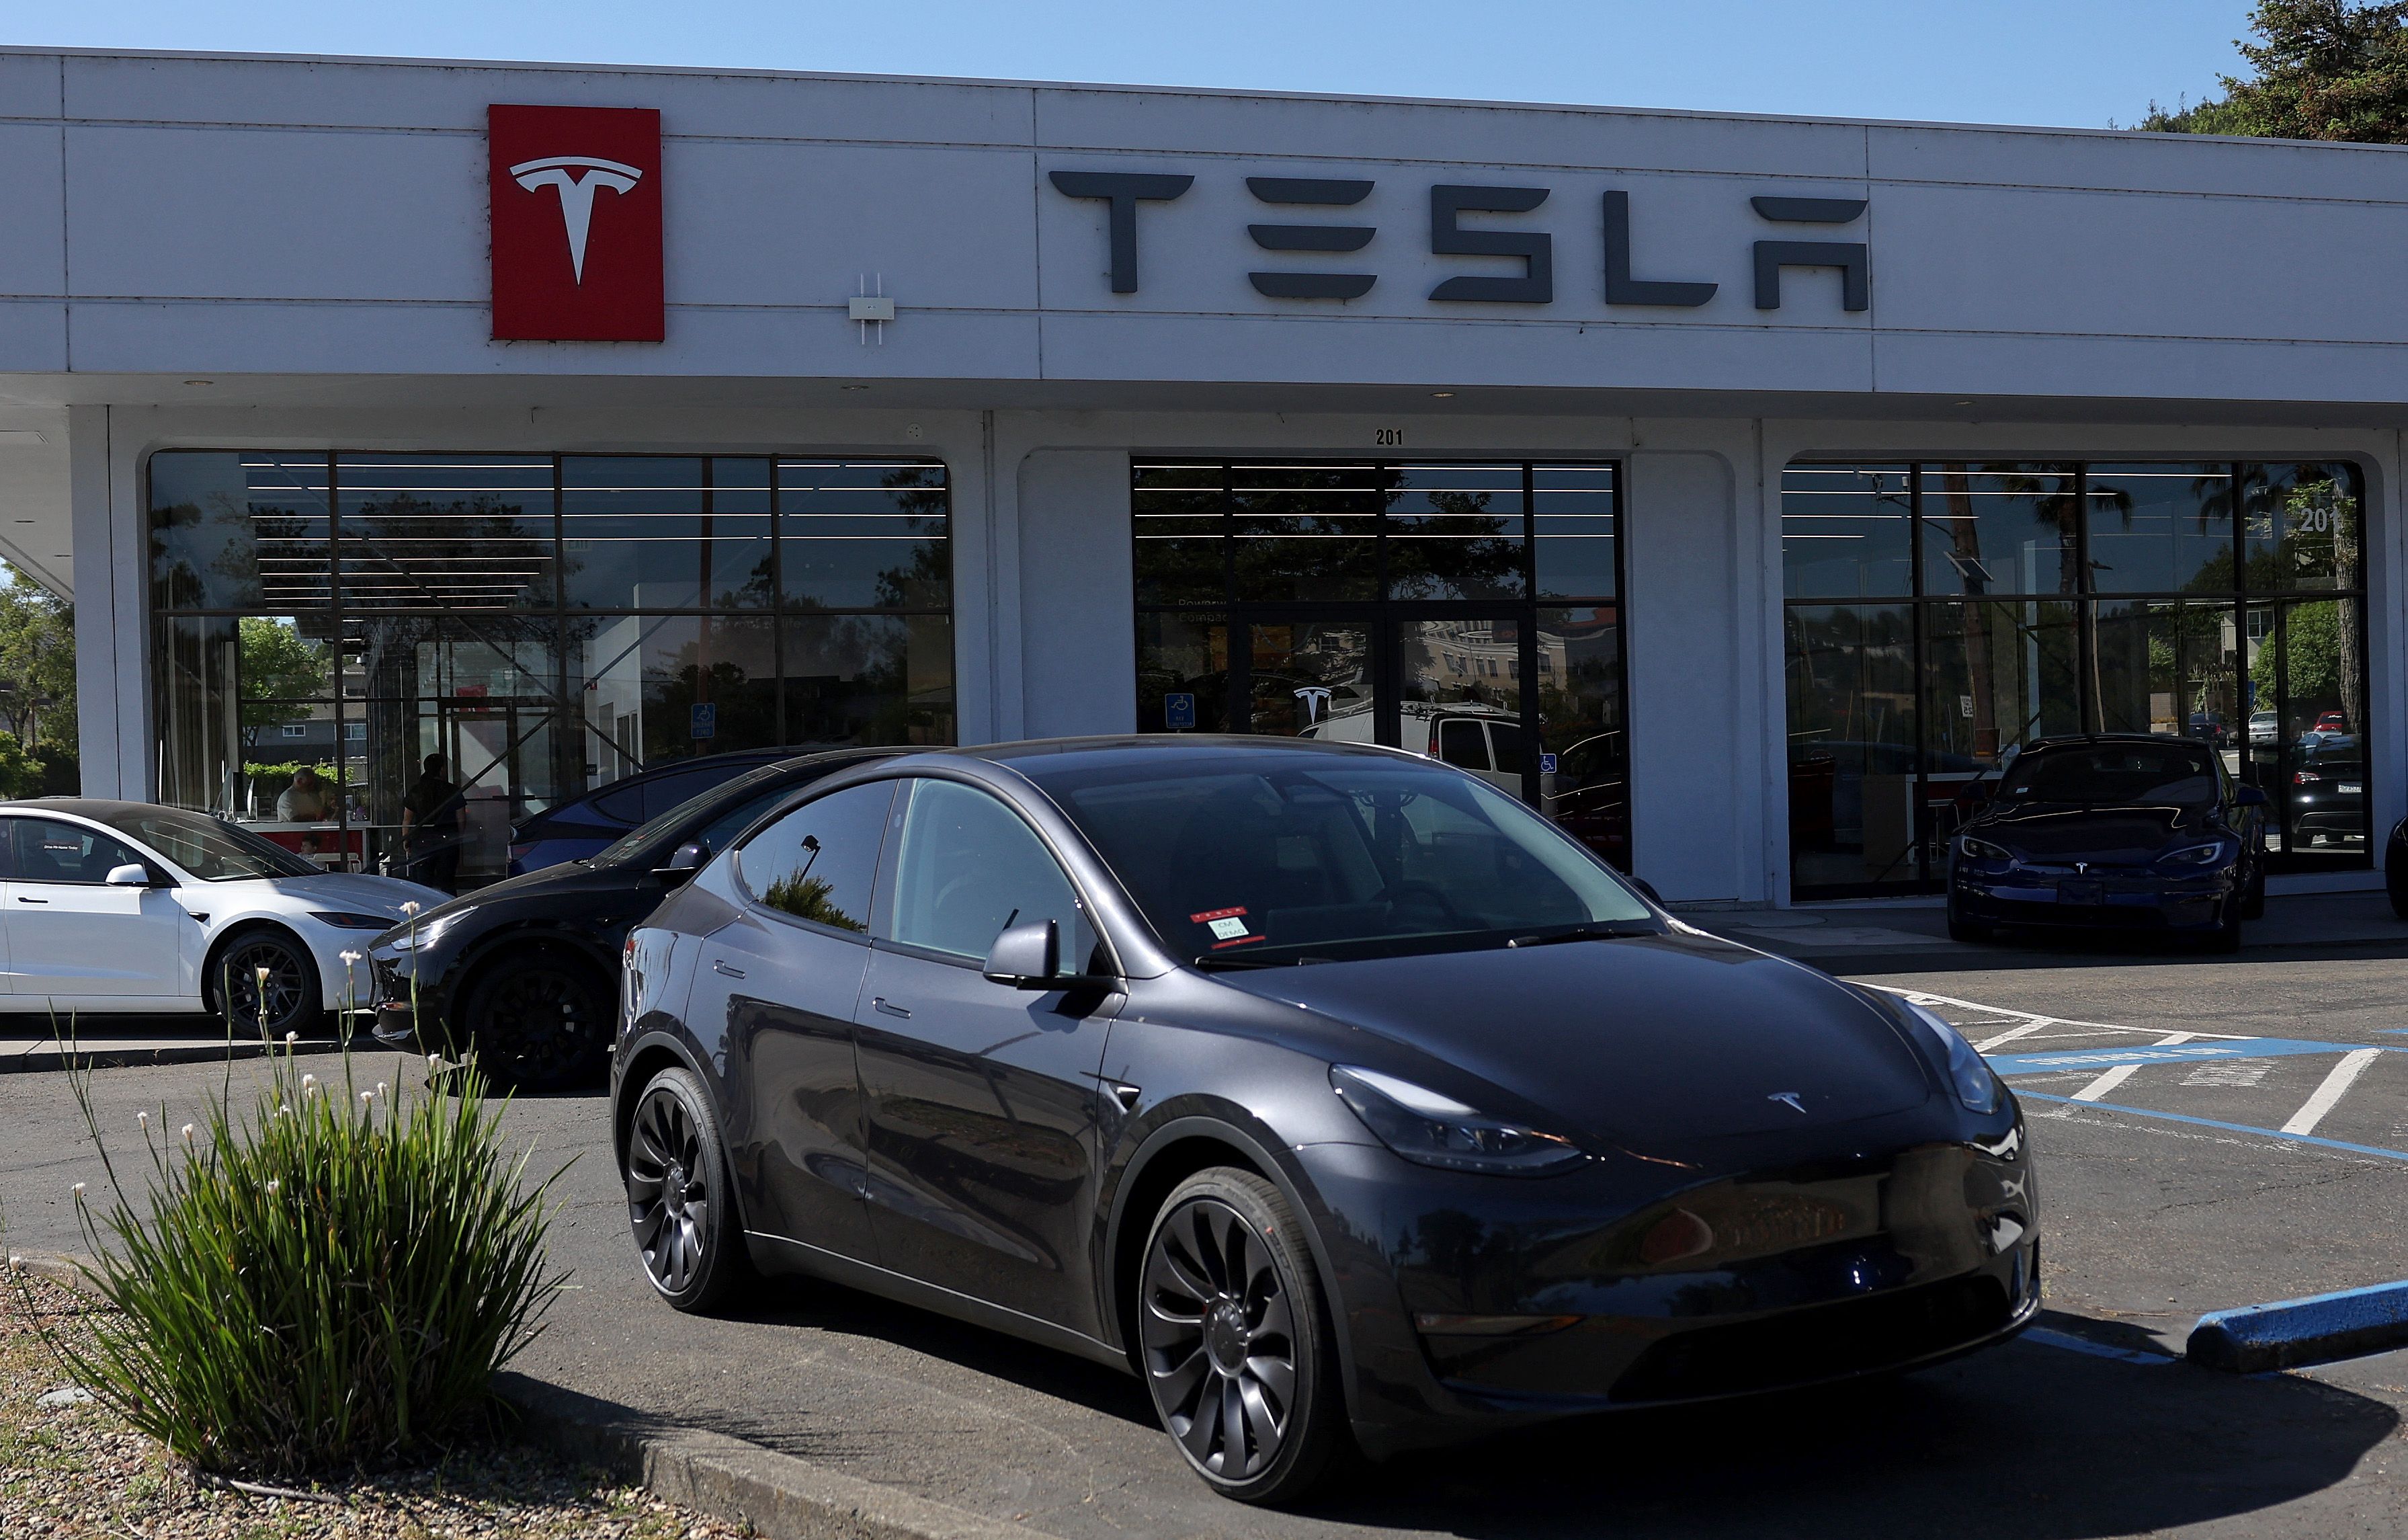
{"x":328,"y":1280}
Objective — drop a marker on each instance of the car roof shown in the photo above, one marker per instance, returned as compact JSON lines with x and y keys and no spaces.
{"x":2077,"y":740}
{"x":1127,"y":746}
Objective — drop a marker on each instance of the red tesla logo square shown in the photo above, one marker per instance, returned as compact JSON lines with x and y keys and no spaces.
{"x":575,"y":196}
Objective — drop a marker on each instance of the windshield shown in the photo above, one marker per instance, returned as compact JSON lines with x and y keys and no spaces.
{"x":748,"y":794}
{"x":210,"y":849}
{"x":2115,"y":775}
{"x":1259,"y":859}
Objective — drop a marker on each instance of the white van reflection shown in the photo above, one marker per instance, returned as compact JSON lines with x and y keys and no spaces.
{"x":1484,"y":739}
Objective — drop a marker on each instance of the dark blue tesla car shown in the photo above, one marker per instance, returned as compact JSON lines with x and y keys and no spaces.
{"x":2124,"y":831}
{"x":1330,"y":1091}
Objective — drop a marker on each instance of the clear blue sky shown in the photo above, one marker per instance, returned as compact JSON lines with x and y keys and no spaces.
{"x":2057,"y":61}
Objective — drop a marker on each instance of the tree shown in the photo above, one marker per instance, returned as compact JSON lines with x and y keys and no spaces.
{"x":2326,"y":69}
{"x":38,"y":683}
{"x":279,"y":670}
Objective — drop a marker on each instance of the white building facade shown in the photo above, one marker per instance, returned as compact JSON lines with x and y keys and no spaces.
{"x":1736,"y":489}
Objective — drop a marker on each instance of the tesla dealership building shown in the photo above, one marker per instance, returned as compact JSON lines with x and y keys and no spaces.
{"x":1734,"y":489}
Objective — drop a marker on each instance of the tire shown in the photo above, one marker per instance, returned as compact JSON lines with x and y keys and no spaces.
{"x":296,"y":1001}
{"x":2253,"y":903}
{"x":539,"y":1021}
{"x":681,"y":1205}
{"x":2226,"y":939}
{"x":1960,"y":929}
{"x":1231,"y":1319}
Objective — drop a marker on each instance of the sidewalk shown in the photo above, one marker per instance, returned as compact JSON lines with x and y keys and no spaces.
{"x":27,"y":1044}
{"x":1852,"y":938}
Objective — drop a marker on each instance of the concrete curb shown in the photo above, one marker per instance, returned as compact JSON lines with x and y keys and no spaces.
{"x":101,"y":1056}
{"x":783,"y":1497}
{"x":779,"y":1495}
{"x":2290,"y":1333}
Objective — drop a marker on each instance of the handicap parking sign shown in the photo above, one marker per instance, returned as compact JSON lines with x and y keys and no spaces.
{"x":702,"y":719}
{"x":1178,"y":712}
{"x":1546,"y":764}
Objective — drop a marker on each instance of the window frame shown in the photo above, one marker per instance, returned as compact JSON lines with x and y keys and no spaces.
{"x":755,"y":904}
{"x":881,"y":911}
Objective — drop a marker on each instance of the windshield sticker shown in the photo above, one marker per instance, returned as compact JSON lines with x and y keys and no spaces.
{"x":1240,"y":941}
{"x":1228,"y":927}
{"x":1210,"y":914}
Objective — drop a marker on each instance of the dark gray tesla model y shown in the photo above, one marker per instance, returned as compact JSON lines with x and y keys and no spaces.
{"x":1327,"y":1088}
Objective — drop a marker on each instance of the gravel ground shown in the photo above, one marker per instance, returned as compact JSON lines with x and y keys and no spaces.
{"x":77,"y":1469}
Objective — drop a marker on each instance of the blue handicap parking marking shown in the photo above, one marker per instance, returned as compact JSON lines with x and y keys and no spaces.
{"x":2109,"y":1057}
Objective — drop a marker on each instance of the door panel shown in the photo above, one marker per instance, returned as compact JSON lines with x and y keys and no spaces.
{"x":72,"y":938}
{"x":981,"y":1097}
{"x":786,"y":977}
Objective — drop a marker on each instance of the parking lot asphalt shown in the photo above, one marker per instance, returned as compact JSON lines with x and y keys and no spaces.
{"x":2153,"y":1215}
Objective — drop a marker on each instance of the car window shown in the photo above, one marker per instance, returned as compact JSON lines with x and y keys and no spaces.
{"x":818,"y":863}
{"x":672,"y":791}
{"x":967,"y":867}
{"x":212,"y":851}
{"x":771,"y":782}
{"x":42,"y":850}
{"x":2115,"y":775}
{"x":1459,"y":744}
{"x":1329,"y":858}
{"x":620,"y":804}
{"x":1505,"y":741}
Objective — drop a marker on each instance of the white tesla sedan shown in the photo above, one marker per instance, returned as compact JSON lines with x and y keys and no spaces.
{"x":116,"y":908}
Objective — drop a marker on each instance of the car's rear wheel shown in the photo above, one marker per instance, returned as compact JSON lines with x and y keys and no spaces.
{"x":539,"y":1021}
{"x":680,"y":1202}
{"x":263,"y":980}
{"x":1235,"y":1340}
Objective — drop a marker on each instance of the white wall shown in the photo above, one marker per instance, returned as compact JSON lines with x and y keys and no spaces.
{"x":1078,"y":594}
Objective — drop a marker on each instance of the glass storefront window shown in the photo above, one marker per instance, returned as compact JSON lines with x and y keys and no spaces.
{"x":1392,"y":602}
{"x":660,"y":532}
{"x":1847,"y":531}
{"x":366,"y":611}
{"x":1999,"y":529}
{"x":2056,"y":599}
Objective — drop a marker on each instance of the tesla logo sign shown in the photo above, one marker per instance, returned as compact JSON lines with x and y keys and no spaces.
{"x":576,"y":199}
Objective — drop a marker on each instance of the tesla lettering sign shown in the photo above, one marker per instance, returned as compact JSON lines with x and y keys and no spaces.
{"x":576,"y":200}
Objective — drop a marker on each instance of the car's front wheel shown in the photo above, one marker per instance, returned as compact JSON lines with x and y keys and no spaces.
{"x":1235,"y":1340}
{"x":539,"y":1021}
{"x":680,"y":1202}
{"x":263,"y":980}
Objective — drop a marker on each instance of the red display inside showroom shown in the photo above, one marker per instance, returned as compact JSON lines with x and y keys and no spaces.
{"x":576,"y":199}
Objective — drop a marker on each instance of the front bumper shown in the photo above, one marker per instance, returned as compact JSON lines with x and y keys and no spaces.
{"x":1863,"y":1266}
{"x":407,"y":1018}
{"x":2131,"y":899}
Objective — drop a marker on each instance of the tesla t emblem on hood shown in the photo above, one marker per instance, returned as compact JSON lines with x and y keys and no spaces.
{"x":2082,"y":868}
{"x":1797,"y":1099}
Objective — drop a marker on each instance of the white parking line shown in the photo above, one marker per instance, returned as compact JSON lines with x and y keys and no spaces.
{"x":2329,"y":1095}
{"x":2097,"y":1090}
{"x":2026,"y":1031}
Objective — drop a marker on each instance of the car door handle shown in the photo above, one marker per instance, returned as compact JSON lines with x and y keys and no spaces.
{"x":719,"y":966}
{"x":883,"y":1003}
{"x":22,"y":898}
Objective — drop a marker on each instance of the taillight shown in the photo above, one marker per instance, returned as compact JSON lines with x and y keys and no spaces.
{"x":2305,"y":778}
{"x":1433,"y":748}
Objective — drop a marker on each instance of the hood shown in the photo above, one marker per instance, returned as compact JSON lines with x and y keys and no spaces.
{"x":2070,"y":830}
{"x":359,"y":893}
{"x":1649,"y":1038}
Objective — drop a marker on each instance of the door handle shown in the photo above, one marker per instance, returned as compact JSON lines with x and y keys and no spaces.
{"x":719,"y":966}
{"x":883,"y":1003}
{"x":22,"y":898}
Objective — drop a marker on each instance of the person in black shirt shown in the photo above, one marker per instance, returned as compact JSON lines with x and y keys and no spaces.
{"x":430,"y":828}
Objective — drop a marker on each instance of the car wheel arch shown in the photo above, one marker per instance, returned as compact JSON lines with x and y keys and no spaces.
{"x":642,"y":1057}
{"x":1173,"y":1152}
{"x":493,"y":951}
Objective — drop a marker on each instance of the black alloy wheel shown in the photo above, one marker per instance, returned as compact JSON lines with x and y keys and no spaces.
{"x":267,"y":982}
{"x":1235,"y":1342}
{"x":540,"y":1022}
{"x":679,"y":1203}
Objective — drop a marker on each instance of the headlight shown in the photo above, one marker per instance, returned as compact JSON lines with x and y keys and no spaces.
{"x":343,"y":921}
{"x":1969,"y":1074}
{"x":2206,"y":855}
{"x":420,"y":936}
{"x":1982,"y":850}
{"x":1432,"y":1129}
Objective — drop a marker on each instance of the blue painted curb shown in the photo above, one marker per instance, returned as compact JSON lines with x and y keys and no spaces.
{"x":2291,"y":1333}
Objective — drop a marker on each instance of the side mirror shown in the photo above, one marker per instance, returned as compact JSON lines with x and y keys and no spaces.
{"x":688,"y":859}
{"x":131,"y":874}
{"x":2249,"y":796}
{"x":1026,"y":957}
